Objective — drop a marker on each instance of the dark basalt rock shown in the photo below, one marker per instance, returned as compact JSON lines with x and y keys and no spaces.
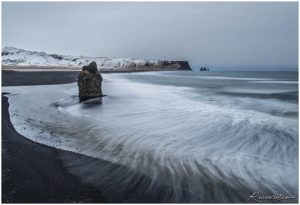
{"x":5,"y":53}
{"x":92,"y":68}
{"x":89,"y":82}
{"x":57,"y":57}
{"x":182,"y":65}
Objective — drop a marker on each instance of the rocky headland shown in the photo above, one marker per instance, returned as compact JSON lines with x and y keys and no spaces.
{"x":15,"y":57}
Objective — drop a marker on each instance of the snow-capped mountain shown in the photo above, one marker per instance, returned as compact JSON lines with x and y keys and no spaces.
{"x":21,"y":57}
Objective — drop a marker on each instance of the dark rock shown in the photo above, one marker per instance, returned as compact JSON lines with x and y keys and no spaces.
{"x":92,"y":68}
{"x":58,"y":57}
{"x":5,"y":53}
{"x":165,"y":63}
{"x":183,"y":65}
{"x":89,"y":82}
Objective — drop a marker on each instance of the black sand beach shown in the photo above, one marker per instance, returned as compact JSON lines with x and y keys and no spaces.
{"x":36,"y":173}
{"x":16,"y":78}
{"x":32,"y":172}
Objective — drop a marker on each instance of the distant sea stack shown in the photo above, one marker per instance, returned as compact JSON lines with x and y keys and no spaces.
{"x":89,"y":82}
{"x":19,"y":57}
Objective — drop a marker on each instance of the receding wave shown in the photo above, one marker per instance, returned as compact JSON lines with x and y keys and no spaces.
{"x":276,"y":82}
{"x":153,"y":143}
{"x":280,"y":95}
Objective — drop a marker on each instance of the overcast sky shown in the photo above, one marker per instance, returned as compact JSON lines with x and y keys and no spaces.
{"x":223,"y":35}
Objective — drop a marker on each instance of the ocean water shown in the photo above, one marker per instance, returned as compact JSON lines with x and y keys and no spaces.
{"x":172,"y":136}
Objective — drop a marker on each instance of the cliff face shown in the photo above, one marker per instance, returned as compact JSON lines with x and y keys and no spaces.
{"x":20,"y":57}
{"x":183,"y":65}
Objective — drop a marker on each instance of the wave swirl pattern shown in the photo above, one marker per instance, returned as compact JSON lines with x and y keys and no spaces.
{"x":171,"y":137}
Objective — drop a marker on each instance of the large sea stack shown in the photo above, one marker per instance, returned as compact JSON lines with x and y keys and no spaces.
{"x":89,"y":82}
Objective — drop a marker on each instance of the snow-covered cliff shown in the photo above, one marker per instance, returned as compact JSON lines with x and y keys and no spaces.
{"x":20,"y":57}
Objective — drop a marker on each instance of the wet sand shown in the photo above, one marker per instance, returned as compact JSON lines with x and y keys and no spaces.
{"x":16,"y":78}
{"x":39,"y":68}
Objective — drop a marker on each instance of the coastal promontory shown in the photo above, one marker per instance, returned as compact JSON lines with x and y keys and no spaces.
{"x":15,"y":57}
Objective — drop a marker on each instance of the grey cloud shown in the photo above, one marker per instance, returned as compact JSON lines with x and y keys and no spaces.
{"x":230,"y":35}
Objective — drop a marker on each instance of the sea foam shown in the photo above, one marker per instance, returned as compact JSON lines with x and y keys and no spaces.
{"x":198,"y":147}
